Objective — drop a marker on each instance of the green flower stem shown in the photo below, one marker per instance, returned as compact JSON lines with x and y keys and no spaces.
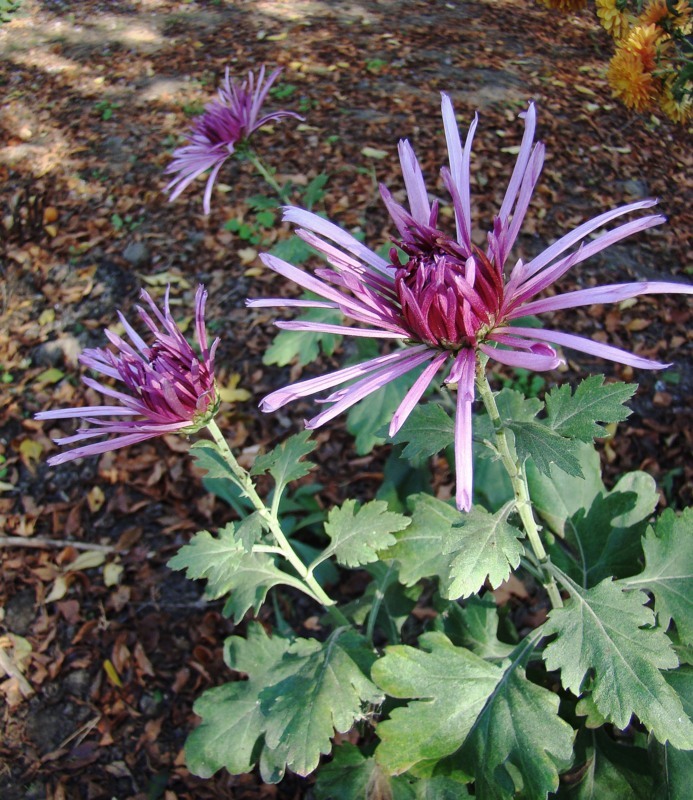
{"x":518,"y":479}
{"x":266,"y":174}
{"x":270,"y":517}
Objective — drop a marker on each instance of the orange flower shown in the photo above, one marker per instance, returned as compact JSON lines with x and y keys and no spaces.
{"x":656,"y":13}
{"x":647,"y":42}
{"x":614,"y":21}
{"x":630,"y":81}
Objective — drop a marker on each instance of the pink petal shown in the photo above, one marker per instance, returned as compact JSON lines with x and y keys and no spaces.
{"x":413,"y":396}
{"x":322,"y":327}
{"x":281,"y":397}
{"x":599,"y":294}
{"x":598,"y":349}
{"x":353,"y":394}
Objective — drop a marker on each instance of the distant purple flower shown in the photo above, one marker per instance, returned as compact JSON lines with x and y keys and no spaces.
{"x":225,"y":123}
{"x":171,"y":387}
{"x":450,"y":299}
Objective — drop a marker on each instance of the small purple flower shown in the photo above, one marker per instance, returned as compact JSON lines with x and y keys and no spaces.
{"x":171,"y":388}
{"x":226,"y":122}
{"x":448,"y":300}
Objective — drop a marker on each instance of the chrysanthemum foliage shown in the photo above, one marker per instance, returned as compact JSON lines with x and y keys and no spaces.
{"x":524,"y":634}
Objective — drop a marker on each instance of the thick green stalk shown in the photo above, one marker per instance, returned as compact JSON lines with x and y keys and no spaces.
{"x":518,"y":479}
{"x":313,"y":588}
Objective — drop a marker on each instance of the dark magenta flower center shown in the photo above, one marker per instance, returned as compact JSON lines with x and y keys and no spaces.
{"x":448,"y":300}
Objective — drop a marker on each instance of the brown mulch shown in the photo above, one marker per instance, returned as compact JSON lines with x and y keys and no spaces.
{"x":97,"y":94}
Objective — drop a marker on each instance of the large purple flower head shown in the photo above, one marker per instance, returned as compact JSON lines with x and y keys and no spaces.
{"x":226,"y":122}
{"x":170,"y":387}
{"x":448,"y":300}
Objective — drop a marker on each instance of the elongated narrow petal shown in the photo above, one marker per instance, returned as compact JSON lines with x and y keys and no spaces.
{"x":283,"y":302}
{"x":600,"y":294}
{"x":520,"y":164}
{"x":353,"y":394}
{"x":412,"y":397}
{"x":100,"y":447}
{"x":316,"y":224}
{"x":551,"y":274}
{"x":526,"y":359}
{"x":584,"y":230}
{"x":414,"y":183}
{"x":570,"y":340}
{"x":322,"y":327}
{"x":93,"y":411}
{"x":464,"y":462}
{"x":281,"y":397}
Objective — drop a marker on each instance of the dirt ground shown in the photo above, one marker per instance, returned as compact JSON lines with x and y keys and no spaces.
{"x":109,"y":652}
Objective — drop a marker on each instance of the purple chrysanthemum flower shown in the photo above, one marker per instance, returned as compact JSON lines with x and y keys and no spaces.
{"x":448,"y":299}
{"x":225,"y":123}
{"x":171,"y":386}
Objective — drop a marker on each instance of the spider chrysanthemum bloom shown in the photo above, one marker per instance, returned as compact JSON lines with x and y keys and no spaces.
{"x":226,"y":123}
{"x":447,"y":300}
{"x":614,"y":17}
{"x":169,"y":387}
{"x":630,"y":82}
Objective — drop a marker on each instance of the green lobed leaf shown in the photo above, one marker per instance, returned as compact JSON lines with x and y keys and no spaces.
{"x":352,"y":776}
{"x":535,"y":441}
{"x":668,"y":572}
{"x":604,"y":540}
{"x":219,"y":479}
{"x":232,"y":727}
{"x":315,"y":190}
{"x":284,"y":462}
{"x":208,"y":457}
{"x":296,"y":694}
{"x":304,"y":346}
{"x":249,"y":530}
{"x":428,"y":430}
{"x":358,"y":532}
{"x":609,"y":771}
{"x":248,"y":585}
{"x":450,"y":686}
{"x":518,"y":732}
{"x":559,"y":495}
{"x":475,"y":626}
{"x":577,"y":415}
{"x":512,"y":406}
{"x":325,"y":690}
{"x":481,"y":547}
{"x":673,"y":767}
{"x":609,"y":632}
{"x":419,"y":547}
{"x":214,"y":559}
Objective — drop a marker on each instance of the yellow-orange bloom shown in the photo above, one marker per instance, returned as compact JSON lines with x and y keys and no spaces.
{"x":614,"y":21}
{"x":630,"y":81}
{"x":656,"y":12}
{"x":646,"y":42}
{"x":565,"y":5}
{"x":676,"y":110}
